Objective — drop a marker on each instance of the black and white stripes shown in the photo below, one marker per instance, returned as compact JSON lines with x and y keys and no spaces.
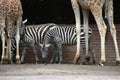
{"x":36,"y":33}
{"x":31,"y":35}
{"x":49,"y":34}
{"x":65,"y":35}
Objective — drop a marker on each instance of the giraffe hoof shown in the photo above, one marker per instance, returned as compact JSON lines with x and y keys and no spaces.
{"x":4,"y":61}
{"x":18,"y":61}
{"x":76,"y":59}
{"x":101,"y":64}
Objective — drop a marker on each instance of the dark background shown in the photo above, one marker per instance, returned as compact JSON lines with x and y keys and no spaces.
{"x":56,"y":11}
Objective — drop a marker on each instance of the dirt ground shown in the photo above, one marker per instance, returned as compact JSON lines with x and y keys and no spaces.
{"x":58,"y":72}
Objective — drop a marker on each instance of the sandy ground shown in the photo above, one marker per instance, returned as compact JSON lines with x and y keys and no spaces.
{"x":58,"y":72}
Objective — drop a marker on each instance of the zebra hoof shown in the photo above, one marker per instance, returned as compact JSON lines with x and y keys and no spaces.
{"x":87,"y":58}
{"x":22,"y":62}
{"x":45,"y":63}
{"x":83,"y":63}
{"x":51,"y":62}
{"x":60,"y":62}
{"x":94,"y":62}
{"x":117,"y":63}
{"x":36,"y":62}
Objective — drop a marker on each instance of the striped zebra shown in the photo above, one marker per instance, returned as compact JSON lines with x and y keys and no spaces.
{"x":31,"y":35}
{"x":65,"y":35}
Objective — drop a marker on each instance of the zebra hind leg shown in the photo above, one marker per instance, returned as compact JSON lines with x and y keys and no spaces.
{"x":34,"y":51}
{"x":57,"y":46}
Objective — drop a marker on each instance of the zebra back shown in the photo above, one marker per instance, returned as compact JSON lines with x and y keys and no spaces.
{"x":32,"y":34}
{"x":67,"y":34}
{"x":36,"y":33}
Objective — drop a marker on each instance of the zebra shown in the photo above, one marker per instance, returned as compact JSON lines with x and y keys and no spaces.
{"x":31,"y":35}
{"x":65,"y":35}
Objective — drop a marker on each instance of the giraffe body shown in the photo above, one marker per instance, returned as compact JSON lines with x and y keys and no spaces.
{"x":95,"y":6}
{"x":10,"y":14}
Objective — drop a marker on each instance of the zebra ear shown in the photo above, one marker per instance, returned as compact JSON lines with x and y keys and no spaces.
{"x":24,"y":21}
{"x":41,"y":45}
{"x":45,"y":45}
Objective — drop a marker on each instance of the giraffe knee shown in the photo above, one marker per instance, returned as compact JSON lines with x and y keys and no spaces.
{"x":113,"y":30}
{"x":102,"y":31}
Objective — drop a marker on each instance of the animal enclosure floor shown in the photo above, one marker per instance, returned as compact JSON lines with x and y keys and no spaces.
{"x":58,"y":72}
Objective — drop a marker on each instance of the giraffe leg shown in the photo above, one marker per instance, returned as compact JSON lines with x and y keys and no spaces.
{"x":102,"y":30}
{"x":17,"y":50}
{"x":19,"y":21}
{"x":75,"y":6}
{"x":85,"y":24}
{"x":8,"y":53}
{"x":97,"y":13}
{"x":3,"y":46}
{"x":10,"y":35}
{"x":113,"y":33}
{"x":109,"y":16}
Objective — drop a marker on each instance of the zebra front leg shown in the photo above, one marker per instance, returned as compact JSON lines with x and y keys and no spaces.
{"x":58,"y":52}
{"x":13,"y":57}
{"x":57,"y":48}
{"x":23,"y":55}
{"x":92,"y":54}
{"x":55,"y":53}
{"x":34,"y":51}
{"x":53,"y":58}
{"x":84,"y":57}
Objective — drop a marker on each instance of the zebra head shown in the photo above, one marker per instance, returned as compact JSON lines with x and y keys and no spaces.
{"x":22,"y":28}
{"x":44,"y":51}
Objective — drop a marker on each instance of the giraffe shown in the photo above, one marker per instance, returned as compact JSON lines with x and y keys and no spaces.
{"x":10,"y":14}
{"x":95,"y":6}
